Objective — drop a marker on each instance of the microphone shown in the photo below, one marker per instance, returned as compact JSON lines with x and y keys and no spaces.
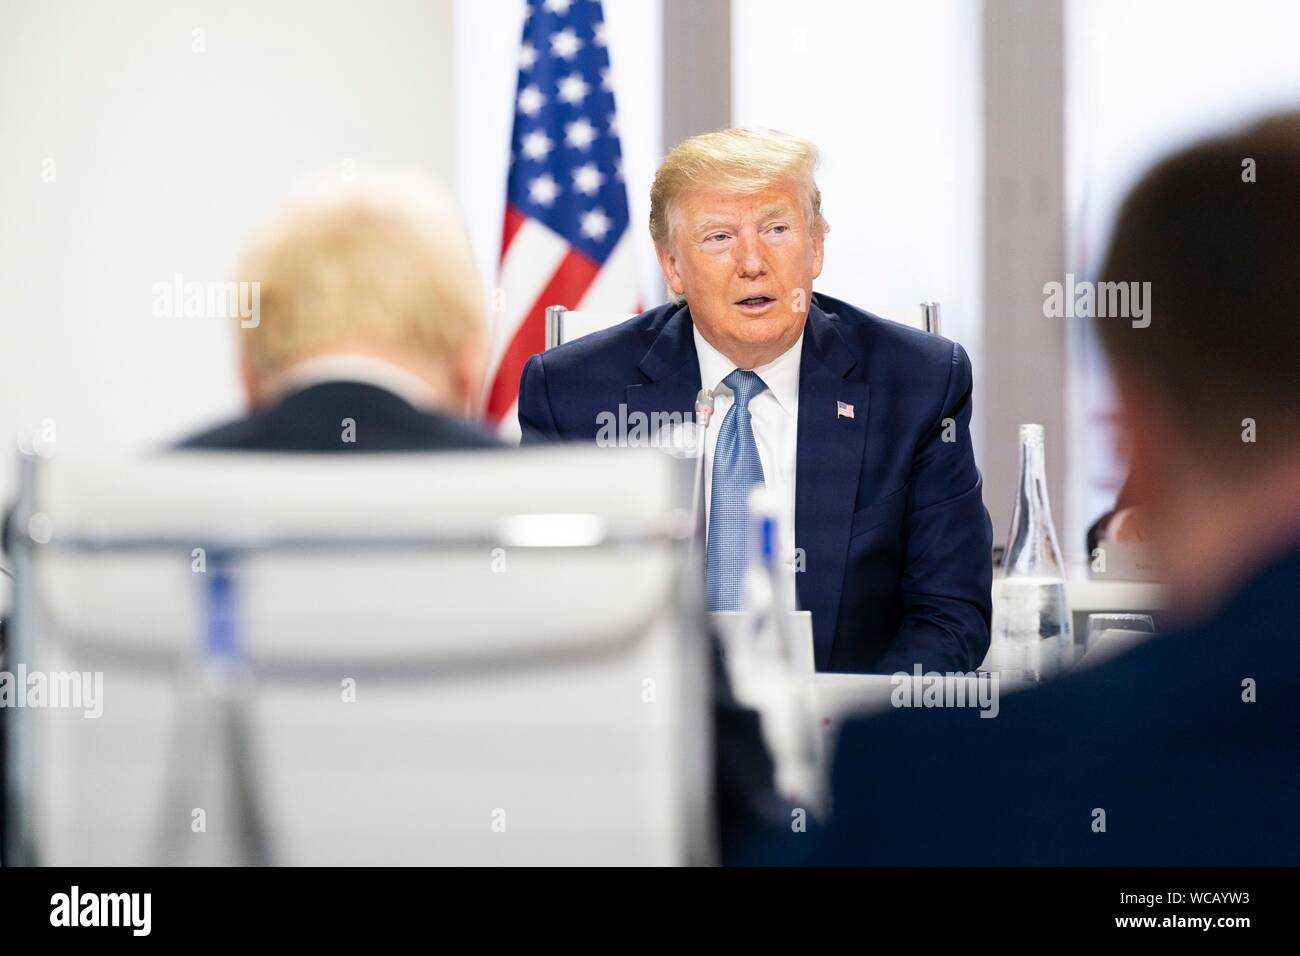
{"x":704,"y":407}
{"x":703,"y":414}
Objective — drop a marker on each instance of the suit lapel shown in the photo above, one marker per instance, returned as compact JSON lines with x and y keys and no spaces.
{"x":673,"y":370}
{"x":830,"y":448}
{"x":828,"y":466}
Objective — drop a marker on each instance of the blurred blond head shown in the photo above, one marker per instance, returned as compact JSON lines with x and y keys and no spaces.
{"x":379,"y":267}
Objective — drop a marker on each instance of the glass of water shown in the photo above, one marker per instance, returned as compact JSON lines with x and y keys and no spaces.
{"x":1116,"y":622}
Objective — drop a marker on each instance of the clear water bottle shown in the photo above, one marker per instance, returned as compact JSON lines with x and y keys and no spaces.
{"x":764,"y":661}
{"x":1032,"y":635}
{"x":765,"y":636}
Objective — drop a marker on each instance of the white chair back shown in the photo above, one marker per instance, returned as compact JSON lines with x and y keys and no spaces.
{"x":564,"y":325}
{"x":925,"y":317}
{"x":470,"y":658}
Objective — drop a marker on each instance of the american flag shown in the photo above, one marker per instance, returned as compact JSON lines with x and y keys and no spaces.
{"x":566,"y":236}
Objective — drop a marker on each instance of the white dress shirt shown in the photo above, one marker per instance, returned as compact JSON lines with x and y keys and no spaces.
{"x":775,"y":414}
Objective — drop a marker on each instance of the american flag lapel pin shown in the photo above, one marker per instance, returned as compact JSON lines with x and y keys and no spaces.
{"x":843,"y":410}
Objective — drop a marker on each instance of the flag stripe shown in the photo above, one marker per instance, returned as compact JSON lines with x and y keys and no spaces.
{"x":615,"y":288}
{"x":535,"y":254}
{"x":569,"y":284}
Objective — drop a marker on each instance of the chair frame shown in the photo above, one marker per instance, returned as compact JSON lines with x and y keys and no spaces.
{"x":588,"y":532}
{"x":555,"y":322}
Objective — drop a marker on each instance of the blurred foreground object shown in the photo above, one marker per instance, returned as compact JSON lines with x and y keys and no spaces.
{"x":769,"y":653}
{"x":369,"y":282}
{"x":487,"y":657}
{"x":1181,"y":751}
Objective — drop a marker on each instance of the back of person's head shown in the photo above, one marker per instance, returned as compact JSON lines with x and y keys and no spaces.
{"x":1215,"y":229}
{"x":1209,"y":387}
{"x":377,"y":266}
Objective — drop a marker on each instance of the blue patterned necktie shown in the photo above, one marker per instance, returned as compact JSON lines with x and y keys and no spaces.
{"x":736,"y":470}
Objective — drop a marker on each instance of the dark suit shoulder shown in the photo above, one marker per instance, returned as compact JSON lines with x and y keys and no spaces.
{"x":887,"y":342}
{"x":233,"y":433}
{"x":1160,"y":739}
{"x":317,"y":419}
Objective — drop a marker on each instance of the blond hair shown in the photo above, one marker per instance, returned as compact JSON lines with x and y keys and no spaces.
{"x":735,"y":160}
{"x":382,"y":263}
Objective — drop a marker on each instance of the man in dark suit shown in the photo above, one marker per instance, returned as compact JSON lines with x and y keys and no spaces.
{"x":858,"y":426}
{"x":368,"y":330}
{"x":366,"y":336}
{"x":1186,"y":750}
{"x":313,"y":419}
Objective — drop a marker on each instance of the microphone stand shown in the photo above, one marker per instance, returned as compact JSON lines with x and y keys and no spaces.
{"x":703,"y":415}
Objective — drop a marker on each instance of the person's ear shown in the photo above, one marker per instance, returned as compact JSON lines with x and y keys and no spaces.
{"x":819,"y":249}
{"x":1151,"y":449}
{"x":248,"y":379}
{"x":668,"y":263}
{"x":467,"y":372}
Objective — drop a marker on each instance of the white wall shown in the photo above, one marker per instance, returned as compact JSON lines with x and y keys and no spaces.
{"x":163,"y":159}
{"x":890,"y":92}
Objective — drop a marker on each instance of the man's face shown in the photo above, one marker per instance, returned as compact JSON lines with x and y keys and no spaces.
{"x":746,"y":264}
